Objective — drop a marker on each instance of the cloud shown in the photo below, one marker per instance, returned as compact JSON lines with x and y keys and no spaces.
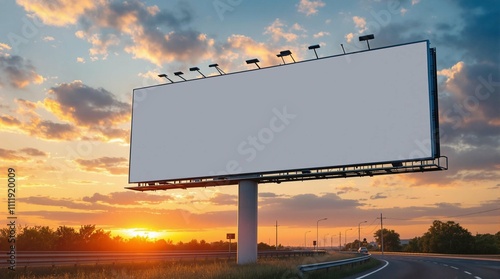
{"x":78,"y":103}
{"x":64,"y":203}
{"x":224,"y":199}
{"x":100,"y":43}
{"x":33,"y":152}
{"x":4,"y":47}
{"x":50,"y":130}
{"x":378,"y":196}
{"x":17,"y":72}
{"x":111,"y":210}
{"x":154,"y":35}
{"x":48,"y":38}
{"x":86,"y":113}
{"x":349,"y":37}
{"x":127,"y":198}
{"x":321,"y":34}
{"x":9,"y":121}
{"x":346,"y":189}
{"x":309,"y":7}
{"x":112,"y":165}
{"x":360,"y":23}
{"x":268,"y":195}
{"x":58,"y":12}
{"x":11,"y":155}
{"x":276,"y":31}
{"x":158,"y":36}
{"x":80,"y":60}
{"x":239,"y":47}
{"x":43,"y":129}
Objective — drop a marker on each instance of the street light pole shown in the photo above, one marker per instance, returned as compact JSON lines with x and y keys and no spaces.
{"x":345,"y":237}
{"x":305,"y":239}
{"x":359,"y":234}
{"x":324,"y":240}
{"x":317,"y":230}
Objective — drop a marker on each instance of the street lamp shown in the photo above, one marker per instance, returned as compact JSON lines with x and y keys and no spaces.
{"x":345,"y":237}
{"x":314,"y":47}
{"x":367,"y":38}
{"x":253,"y":61}
{"x":165,"y":76}
{"x":179,"y":74}
{"x":286,"y":53}
{"x":216,"y":66}
{"x":305,"y":239}
{"x":317,"y":225}
{"x":359,"y":236}
{"x":193,"y":69}
{"x":324,"y":239}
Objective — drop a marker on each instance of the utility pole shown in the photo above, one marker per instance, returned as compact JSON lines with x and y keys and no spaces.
{"x":276,"y":234}
{"x":381,"y":233}
{"x":340,"y":241}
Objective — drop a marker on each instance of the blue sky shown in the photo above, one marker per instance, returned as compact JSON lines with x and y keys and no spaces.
{"x":67,"y":72}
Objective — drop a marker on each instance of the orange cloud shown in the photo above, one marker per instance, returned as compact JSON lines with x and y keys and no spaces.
{"x":277,"y":32}
{"x":11,"y":155}
{"x":58,"y":13}
{"x":240,"y":47}
{"x":78,"y":103}
{"x":112,"y":165}
{"x":20,"y":155}
{"x":310,"y":7}
{"x":17,"y":71}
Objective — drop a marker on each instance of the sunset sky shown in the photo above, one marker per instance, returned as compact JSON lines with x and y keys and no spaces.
{"x":67,"y":72}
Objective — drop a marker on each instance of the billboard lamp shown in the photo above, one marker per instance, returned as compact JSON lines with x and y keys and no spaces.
{"x":165,"y":76}
{"x":287,"y":53}
{"x":192,"y":69}
{"x":221,"y":72}
{"x":342,"y":45}
{"x":314,"y":47}
{"x":179,"y":74}
{"x":367,"y":38}
{"x":254,"y":61}
{"x":279,"y":55}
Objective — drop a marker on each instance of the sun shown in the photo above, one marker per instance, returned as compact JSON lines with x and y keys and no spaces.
{"x":142,"y":232}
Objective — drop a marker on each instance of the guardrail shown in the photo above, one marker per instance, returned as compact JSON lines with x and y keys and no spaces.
{"x":25,"y":259}
{"x":326,"y":265}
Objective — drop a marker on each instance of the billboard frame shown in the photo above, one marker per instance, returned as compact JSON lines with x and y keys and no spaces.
{"x":432,"y":163}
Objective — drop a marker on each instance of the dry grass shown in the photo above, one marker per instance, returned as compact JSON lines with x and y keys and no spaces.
{"x":265,"y":268}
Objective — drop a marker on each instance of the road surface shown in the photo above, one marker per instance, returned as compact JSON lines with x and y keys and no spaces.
{"x":429,"y":267}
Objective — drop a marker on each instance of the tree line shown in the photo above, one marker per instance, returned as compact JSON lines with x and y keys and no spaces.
{"x":90,"y":238}
{"x":442,"y":237}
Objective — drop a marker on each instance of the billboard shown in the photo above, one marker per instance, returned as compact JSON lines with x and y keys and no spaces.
{"x":359,"y":108}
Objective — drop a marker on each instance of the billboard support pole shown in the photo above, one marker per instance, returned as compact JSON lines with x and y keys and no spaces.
{"x":247,"y":222}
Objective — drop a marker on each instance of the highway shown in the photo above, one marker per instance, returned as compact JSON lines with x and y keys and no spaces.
{"x":429,"y":267}
{"x":32,"y":259}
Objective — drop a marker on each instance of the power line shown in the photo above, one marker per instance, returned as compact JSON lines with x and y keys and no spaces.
{"x":474,"y":213}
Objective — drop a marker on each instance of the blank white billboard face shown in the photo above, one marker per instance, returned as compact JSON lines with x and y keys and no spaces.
{"x":360,"y":108}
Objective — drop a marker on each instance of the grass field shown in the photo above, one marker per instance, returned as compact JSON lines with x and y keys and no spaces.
{"x":265,"y":268}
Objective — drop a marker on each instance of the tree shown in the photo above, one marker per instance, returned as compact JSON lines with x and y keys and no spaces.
{"x":487,"y":243}
{"x":392,"y":242}
{"x":37,"y":238}
{"x":449,"y":238}
{"x":414,"y":245}
{"x":66,"y":238}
